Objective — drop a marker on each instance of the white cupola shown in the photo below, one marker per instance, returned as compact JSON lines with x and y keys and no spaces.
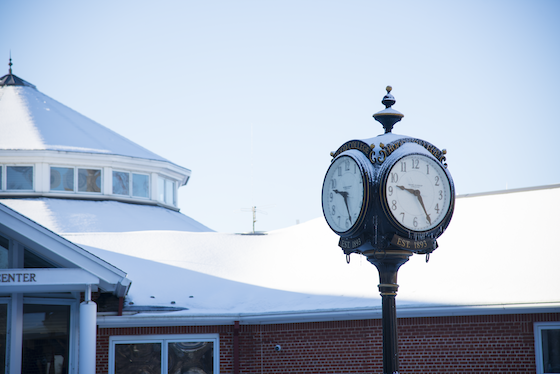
{"x":50,"y":150}
{"x":72,"y":174}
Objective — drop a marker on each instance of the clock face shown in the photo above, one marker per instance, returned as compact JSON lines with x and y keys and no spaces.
{"x":417,"y":193}
{"x":343,"y":195}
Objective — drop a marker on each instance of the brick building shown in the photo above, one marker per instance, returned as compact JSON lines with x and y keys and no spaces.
{"x":116,"y":272}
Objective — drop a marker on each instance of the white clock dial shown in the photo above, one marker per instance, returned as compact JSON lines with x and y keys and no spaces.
{"x":343,"y":194}
{"x":417,"y":193}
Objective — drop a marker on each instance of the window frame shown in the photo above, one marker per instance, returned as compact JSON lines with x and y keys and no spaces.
{"x":5,"y":177}
{"x":538,"y":328}
{"x":101,"y":182}
{"x":164,"y":191}
{"x":132,"y":174}
{"x":164,"y":339}
{"x":113,"y":171}
{"x":131,"y":183}
{"x":76,"y":179}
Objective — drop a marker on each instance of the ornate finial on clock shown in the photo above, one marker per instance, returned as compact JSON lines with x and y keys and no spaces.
{"x":388,"y":116}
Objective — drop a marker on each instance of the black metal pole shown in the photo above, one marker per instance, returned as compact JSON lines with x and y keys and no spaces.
{"x":388,"y":263}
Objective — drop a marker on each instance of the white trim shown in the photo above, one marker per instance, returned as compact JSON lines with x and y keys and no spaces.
{"x":538,"y":327}
{"x":97,"y":160}
{"x":139,"y":320}
{"x":42,"y":185}
{"x":164,"y":339}
{"x":15,"y":332}
{"x":46,"y":280}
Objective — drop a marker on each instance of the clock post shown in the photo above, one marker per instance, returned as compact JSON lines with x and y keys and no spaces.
{"x":388,"y":265}
{"x":388,"y":197}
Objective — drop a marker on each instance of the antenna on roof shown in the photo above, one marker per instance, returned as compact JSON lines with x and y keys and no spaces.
{"x":10,"y":64}
{"x":254,"y":210}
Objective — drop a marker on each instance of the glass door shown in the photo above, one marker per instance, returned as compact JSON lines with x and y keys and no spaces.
{"x":46,"y":336}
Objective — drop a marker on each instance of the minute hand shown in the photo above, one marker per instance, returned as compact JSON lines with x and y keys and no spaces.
{"x":344,"y":194}
{"x":417,"y":194}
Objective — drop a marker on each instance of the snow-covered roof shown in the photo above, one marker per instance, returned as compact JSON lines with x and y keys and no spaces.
{"x":67,"y":216}
{"x":31,"y":120}
{"x":64,"y":253}
{"x":495,"y":257}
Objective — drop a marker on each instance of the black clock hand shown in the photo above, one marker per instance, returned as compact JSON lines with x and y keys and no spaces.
{"x":344,"y":195}
{"x":423,"y":207}
{"x":417,"y":194}
{"x":407,"y":189}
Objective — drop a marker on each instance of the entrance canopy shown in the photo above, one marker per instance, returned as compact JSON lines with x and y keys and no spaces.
{"x":35,"y":259}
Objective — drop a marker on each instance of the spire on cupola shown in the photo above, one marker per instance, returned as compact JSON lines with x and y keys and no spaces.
{"x":13,"y":80}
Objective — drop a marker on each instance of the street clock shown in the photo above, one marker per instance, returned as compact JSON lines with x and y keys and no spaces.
{"x":391,"y":191}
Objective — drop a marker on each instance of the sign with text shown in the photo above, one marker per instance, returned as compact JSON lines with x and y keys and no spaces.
{"x":45,"y":280}
{"x":426,"y":245}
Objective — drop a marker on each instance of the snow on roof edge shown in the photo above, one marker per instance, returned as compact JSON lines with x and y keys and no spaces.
{"x":513,"y":190}
{"x":169,"y":319}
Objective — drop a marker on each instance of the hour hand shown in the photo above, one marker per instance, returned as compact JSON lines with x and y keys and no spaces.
{"x":343,"y":193}
{"x":408,"y":189}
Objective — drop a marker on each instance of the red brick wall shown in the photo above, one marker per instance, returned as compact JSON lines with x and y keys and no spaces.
{"x":473,"y":344}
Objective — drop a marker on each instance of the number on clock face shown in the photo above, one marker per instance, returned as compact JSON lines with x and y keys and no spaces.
{"x":343,"y":194}
{"x":417,"y":192}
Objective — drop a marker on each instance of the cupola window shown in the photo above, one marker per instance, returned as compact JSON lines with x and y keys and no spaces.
{"x":63,"y":179}
{"x":121,"y":183}
{"x":166,"y":191}
{"x":19,"y":177}
{"x":140,"y":186}
{"x":89,"y":180}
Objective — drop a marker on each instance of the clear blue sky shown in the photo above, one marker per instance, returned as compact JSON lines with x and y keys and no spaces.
{"x":253,"y":95}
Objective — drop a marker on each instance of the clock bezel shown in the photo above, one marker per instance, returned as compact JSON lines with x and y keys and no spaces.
{"x":362,"y":162}
{"x":433,"y":232}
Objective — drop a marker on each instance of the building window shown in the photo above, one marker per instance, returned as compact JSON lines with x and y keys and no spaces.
{"x":4,"y":256}
{"x":140,"y":185}
{"x":62,"y":179}
{"x":164,"y":354}
{"x":89,"y":180}
{"x":32,"y":260}
{"x":547,"y":347}
{"x":166,"y":191}
{"x":121,"y":183}
{"x":19,"y":177}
